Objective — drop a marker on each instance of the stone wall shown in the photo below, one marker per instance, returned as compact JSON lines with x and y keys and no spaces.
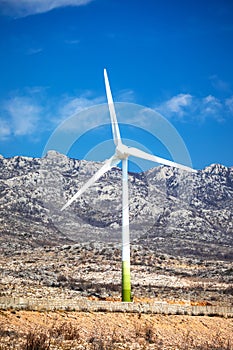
{"x":110,"y":306}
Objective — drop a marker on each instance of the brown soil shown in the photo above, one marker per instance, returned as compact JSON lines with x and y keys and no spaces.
{"x":79,"y":330}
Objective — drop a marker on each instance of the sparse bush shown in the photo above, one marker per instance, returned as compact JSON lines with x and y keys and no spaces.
{"x":100,"y":343}
{"x":65,"y":331}
{"x":228,"y":290}
{"x":61,"y":278}
{"x":37,"y":340}
{"x":102,"y":340}
{"x":216,"y":343}
{"x":149,"y":335}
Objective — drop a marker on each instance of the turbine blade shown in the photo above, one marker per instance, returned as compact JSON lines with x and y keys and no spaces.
{"x":115,"y":127}
{"x":141,"y":154}
{"x":110,"y":163}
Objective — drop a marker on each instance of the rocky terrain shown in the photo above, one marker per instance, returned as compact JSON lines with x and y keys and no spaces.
{"x":93,"y":270}
{"x":181,"y":231}
{"x":181,"y":251}
{"x":172,"y":211}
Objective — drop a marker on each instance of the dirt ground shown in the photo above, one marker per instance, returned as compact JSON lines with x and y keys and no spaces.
{"x":27,"y":330}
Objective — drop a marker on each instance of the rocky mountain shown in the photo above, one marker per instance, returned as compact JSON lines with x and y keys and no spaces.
{"x":170,"y":210}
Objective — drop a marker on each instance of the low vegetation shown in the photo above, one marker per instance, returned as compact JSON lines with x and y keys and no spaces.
{"x":76,"y":331}
{"x":94,"y":270}
{"x":68,"y":338}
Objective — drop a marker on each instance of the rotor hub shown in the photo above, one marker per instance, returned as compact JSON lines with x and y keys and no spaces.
{"x":122,"y":151}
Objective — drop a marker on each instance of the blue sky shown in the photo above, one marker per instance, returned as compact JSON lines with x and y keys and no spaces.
{"x":172,"y":56}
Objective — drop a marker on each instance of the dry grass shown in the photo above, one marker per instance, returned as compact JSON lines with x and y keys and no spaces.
{"x":144,"y":339}
{"x":100,"y":331}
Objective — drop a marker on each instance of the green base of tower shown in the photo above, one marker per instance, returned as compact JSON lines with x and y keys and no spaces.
{"x":126,"y":284}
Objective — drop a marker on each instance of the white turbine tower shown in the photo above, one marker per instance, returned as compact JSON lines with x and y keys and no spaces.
{"x":122,"y":152}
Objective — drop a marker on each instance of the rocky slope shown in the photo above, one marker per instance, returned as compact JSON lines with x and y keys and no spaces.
{"x":170,"y":210}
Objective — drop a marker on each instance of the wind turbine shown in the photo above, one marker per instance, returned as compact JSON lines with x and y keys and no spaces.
{"x":122,"y":153}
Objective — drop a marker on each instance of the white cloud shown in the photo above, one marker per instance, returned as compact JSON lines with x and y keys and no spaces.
{"x":34,"y":51}
{"x":23,"y":8}
{"x":211,"y":105}
{"x":72,"y":42}
{"x":125,"y":96}
{"x":71,"y":105}
{"x":229,"y":103}
{"x":187,"y":107}
{"x":177,"y":105}
{"x":5,"y":130}
{"x":219,"y":84}
{"x":20,"y":117}
{"x":31,"y":112}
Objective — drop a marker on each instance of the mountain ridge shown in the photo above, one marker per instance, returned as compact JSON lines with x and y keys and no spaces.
{"x":167,"y":206}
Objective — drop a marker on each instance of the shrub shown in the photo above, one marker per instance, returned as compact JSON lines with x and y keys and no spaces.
{"x":37,"y":340}
{"x":218,"y":342}
{"x":65,"y":331}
